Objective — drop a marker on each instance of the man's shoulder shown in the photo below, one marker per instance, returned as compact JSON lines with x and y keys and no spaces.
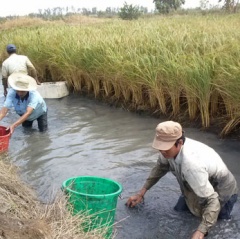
{"x":6,"y":61}
{"x":11,"y":94}
{"x":193,"y":148}
{"x":35,"y":94}
{"x":13,"y":57}
{"x":195,"y":143}
{"x":12,"y":91}
{"x":21,"y":56}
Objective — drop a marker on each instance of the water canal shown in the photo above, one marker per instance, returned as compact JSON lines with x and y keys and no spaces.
{"x":86,"y":137}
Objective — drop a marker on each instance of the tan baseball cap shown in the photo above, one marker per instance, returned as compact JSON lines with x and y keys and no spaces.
{"x":166,"y":135}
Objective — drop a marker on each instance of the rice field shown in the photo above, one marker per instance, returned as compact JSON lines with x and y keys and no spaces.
{"x":179,"y":66}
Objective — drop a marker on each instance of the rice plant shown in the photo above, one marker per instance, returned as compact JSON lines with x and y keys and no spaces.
{"x":178,"y":65}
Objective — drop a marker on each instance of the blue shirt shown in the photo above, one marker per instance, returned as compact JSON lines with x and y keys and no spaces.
{"x":33,"y":99}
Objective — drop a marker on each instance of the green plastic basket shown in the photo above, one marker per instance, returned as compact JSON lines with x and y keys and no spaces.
{"x":95,"y":197}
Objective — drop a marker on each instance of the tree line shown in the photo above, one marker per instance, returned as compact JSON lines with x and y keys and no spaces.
{"x":130,"y":11}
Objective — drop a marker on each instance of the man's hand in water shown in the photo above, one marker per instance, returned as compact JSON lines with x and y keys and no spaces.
{"x":197,"y":235}
{"x":134,"y":200}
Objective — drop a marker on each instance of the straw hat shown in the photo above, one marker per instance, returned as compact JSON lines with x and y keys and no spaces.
{"x":22,"y":82}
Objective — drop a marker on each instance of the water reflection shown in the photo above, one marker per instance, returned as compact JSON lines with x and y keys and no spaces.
{"x":90,"y":138}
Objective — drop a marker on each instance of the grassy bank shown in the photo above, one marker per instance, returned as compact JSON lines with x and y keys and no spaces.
{"x":22,"y":216}
{"x":185,"y":67}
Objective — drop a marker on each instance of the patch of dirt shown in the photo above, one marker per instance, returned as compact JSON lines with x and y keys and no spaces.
{"x":22,"y":216}
{"x":13,"y":228}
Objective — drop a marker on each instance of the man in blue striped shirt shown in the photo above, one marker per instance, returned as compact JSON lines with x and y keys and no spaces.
{"x":28,"y":103}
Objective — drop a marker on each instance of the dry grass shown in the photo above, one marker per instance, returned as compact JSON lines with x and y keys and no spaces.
{"x":20,"y":22}
{"x":79,"y":19}
{"x":22,"y":216}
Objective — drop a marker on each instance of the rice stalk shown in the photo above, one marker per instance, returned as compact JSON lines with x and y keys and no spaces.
{"x":191,"y":56}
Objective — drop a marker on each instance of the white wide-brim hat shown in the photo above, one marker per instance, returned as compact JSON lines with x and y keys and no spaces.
{"x":22,"y":82}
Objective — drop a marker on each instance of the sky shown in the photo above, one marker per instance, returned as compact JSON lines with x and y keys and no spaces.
{"x":24,"y":7}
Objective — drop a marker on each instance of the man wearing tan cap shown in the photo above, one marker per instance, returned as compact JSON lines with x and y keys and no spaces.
{"x":16,"y":63}
{"x":209,"y":190}
{"x":27,"y":102}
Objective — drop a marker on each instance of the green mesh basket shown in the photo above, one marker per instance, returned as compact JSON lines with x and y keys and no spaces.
{"x":95,"y":197}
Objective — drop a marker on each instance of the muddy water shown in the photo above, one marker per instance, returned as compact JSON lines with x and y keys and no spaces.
{"x":89,"y":138}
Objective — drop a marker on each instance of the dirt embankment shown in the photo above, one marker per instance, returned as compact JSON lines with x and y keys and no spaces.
{"x":22,"y":216}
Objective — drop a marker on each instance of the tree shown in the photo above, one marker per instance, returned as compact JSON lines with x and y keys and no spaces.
{"x":230,"y":5}
{"x":204,"y":4}
{"x":129,"y":12}
{"x":144,"y":9}
{"x":164,"y":6}
{"x":94,"y":10}
{"x":85,"y":12}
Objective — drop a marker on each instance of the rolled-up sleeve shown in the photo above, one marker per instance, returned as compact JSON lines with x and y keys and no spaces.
{"x":158,"y":171}
{"x":210,"y":213}
{"x":208,"y":198}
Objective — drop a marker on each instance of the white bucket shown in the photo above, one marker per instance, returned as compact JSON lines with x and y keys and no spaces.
{"x":53,"y":90}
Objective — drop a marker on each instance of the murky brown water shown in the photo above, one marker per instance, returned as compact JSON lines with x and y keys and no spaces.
{"x":89,"y":138}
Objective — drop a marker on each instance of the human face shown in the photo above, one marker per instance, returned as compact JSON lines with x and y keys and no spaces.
{"x":172,"y":152}
{"x":21,"y":93}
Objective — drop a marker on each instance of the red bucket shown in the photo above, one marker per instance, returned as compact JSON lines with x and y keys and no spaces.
{"x":4,"y":138}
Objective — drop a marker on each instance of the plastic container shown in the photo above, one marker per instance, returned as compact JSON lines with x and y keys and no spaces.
{"x":53,"y":90}
{"x":95,"y":197}
{"x":4,"y":138}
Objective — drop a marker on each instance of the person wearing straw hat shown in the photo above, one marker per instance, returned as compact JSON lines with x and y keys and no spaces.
{"x":16,"y":63}
{"x":28,"y":103}
{"x":209,"y":190}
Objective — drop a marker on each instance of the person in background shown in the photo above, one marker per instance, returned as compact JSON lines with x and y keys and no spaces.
{"x":16,"y":63}
{"x":28,"y":103}
{"x":209,"y":190}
